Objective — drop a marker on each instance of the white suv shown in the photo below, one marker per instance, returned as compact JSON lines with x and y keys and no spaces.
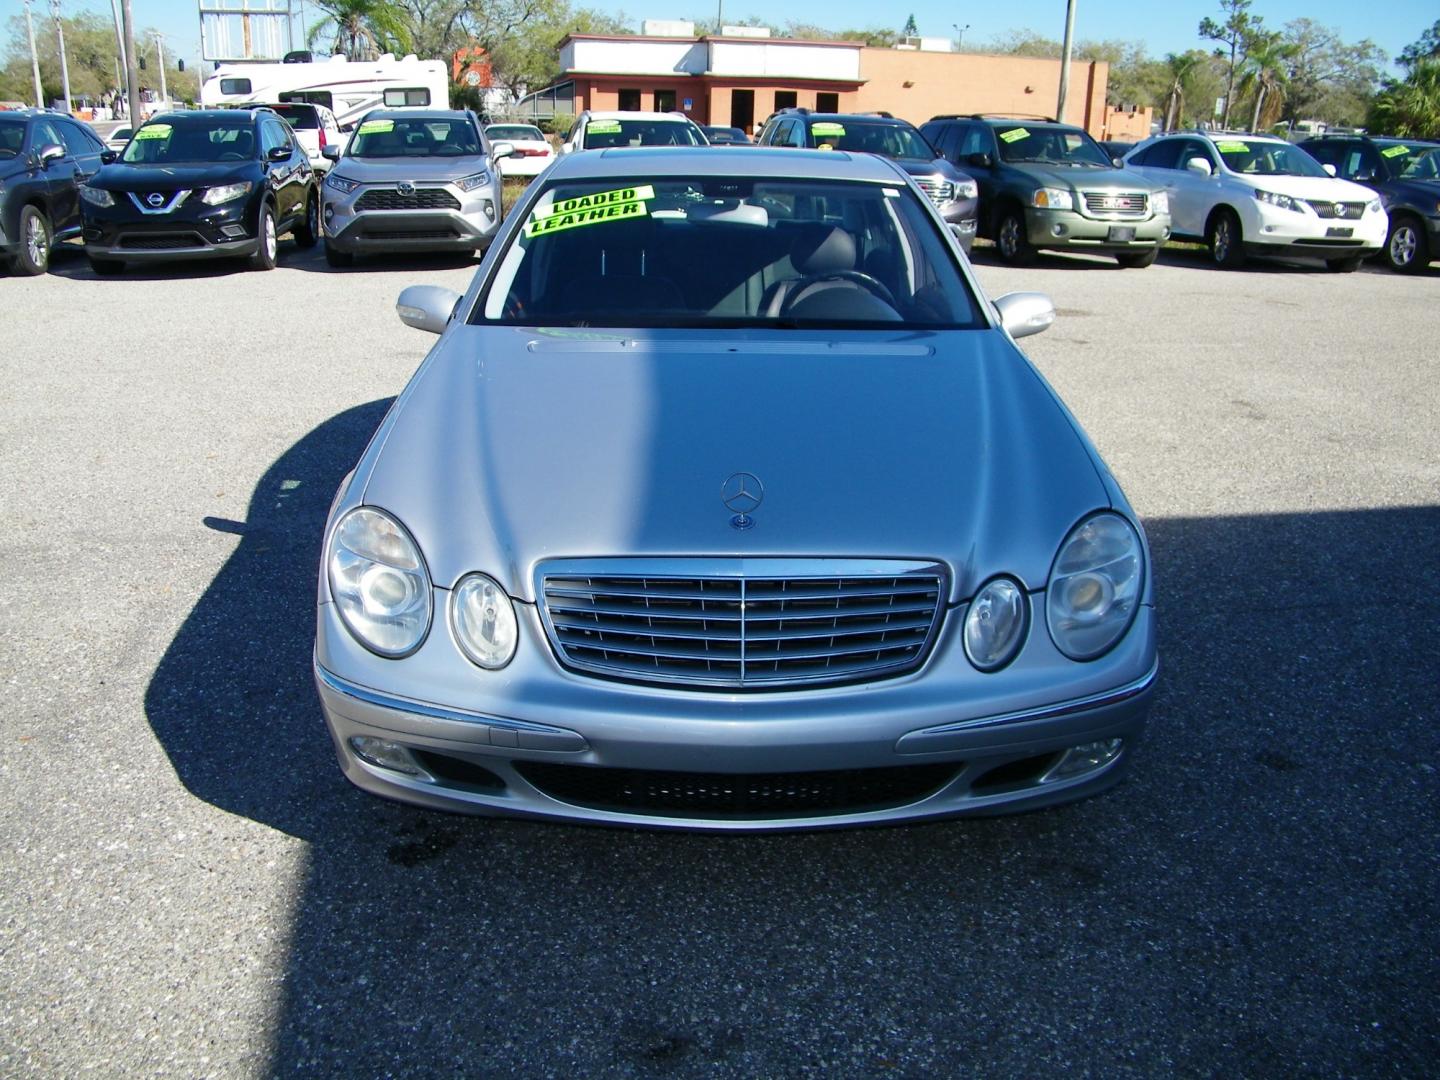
{"x":1258,"y":195}
{"x":601,"y":130}
{"x":315,"y":128}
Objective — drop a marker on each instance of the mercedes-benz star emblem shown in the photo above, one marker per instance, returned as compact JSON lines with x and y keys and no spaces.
{"x":742,"y":493}
{"x":155,"y":199}
{"x":405,"y":187}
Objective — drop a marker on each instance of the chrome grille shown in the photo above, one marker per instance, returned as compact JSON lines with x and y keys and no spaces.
{"x":1342,"y":210}
{"x":421,"y":199}
{"x":940,"y":191}
{"x":1117,"y":203}
{"x":743,"y":623}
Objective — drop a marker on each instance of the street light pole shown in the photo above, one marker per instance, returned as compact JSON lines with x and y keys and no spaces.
{"x":120,"y":84}
{"x":1065,"y":59}
{"x":64,"y":65}
{"x":34,"y":57}
{"x":132,"y":76}
{"x":160,"y":52}
{"x":959,"y":35}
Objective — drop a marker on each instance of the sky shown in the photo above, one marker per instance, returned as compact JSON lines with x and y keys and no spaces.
{"x":1391,"y":24}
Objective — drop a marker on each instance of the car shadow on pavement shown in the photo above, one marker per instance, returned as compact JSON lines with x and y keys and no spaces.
{"x":1260,"y":892}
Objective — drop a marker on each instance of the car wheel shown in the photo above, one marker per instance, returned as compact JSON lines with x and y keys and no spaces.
{"x":1407,"y":249}
{"x":1345,"y":266}
{"x":336,"y":257}
{"x":1227,"y":246}
{"x":308,"y":231}
{"x":1139,"y":261}
{"x":1011,"y":241}
{"x":106,"y":267}
{"x":264,"y":257}
{"x":32,"y":256}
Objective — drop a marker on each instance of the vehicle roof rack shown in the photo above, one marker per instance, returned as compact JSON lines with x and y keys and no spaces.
{"x":995,"y":116}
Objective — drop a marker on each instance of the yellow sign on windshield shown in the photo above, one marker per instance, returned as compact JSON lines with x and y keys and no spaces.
{"x":603,"y":127}
{"x":1014,"y":135}
{"x":595,"y":215}
{"x":600,"y":198}
{"x":153,"y":131}
{"x":376,"y":127}
{"x":1231,"y":147}
{"x":827,"y":128}
{"x":1394,"y":151}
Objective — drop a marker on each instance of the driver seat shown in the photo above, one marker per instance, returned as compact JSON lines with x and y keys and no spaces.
{"x":818,"y":250}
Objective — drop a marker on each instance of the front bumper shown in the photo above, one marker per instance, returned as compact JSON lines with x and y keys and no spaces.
{"x":962,"y":215}
{"x":1270,"y":230}
{"x":468,"y":226}
{"x":990,"y":750}
{"x":1071,"y":230}
{"x":192,"y":231}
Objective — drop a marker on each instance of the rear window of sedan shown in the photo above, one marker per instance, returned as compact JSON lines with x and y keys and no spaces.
{"x":514,"y":133}
{"x":610,"y":133}
{"x":299,"y":117}
{"x":727,"y":252}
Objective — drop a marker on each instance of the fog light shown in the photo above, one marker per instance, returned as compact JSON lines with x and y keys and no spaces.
{"x":1087,"y":757}
{"x":1267,"y":228}
{"x":489,"y":209}
{"x":1059,"y":229}
{"x":233,"y":230}
{"x":384,"y":754}
{"x":329,"y":212}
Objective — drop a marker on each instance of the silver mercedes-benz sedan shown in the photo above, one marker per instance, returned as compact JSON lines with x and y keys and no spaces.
{"x":726,"y":500}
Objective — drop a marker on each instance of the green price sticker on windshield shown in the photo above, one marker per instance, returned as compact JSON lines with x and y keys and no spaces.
{"x":1394,"y":151}
{"x":376,"y":127}
{"x":1231,"y":147}
{"x":595,"y":215}
{"x":599,"y":198}
{"x":603,"y":127}
{"x":824,"y":128}
{"x":1014,"y":135}
{"x":153,"y":131}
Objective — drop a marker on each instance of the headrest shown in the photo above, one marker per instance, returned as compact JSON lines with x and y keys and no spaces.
{"x":823,"y":249}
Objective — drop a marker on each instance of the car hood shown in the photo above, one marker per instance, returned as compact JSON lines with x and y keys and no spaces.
{"x":513,"y":446}
{"x":1085,"y":178}
{"x":392,"y":170}
{"x":1320,"y":188}
{"x":1422,"y":193}
{"x":935,"y":167}
{"x":121,"y":177}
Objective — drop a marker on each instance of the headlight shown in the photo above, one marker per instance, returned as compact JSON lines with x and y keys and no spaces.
{"x":1094,"y":586}
{"x":483,"y":619}
{"x":470,"y":183}
{"x":96,"y":196}
{"x":1054,"y":199}
{"x":1160,"y":202}
{"x":225,"y":193}
{"x":379,"y":582}
{"x":995,"y":624}
{"x":966,"y":189}
{"x":1284,"y":202}
{"x":340,"y":184}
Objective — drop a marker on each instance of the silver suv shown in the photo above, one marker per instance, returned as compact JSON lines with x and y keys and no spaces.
{"x":412,"y":180}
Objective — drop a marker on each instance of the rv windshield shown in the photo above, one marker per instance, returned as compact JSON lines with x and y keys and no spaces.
{"x":414,"y":136}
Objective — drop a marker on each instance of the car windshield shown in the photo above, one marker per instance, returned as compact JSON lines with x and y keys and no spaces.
{"x":414,"y":136}
{"x":514,"y":133}
{"x":1411,"y":161}
{"x":1264,"y":157}
{"x":865,"y":137}
{"x":727,"y":252}
{"x":1052,"y":145}
{"x":299,"y":117}
{"x":603,"y":133}
{"x":12,"y":137}
{"x":177,"y":139}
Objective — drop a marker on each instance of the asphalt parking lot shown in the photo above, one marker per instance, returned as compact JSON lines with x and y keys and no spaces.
{"x":190,"y":888}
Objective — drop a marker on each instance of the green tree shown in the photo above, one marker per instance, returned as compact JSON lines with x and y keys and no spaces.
{"x":90,"y":53}
{"x":1179,"y":67}
{"x":1428,"y":47}
{"x":1330,"y":79}
{"x":361,"y":29}
{"x":1266,"y":76}
{"x":523,"y":54}
{"x":1410,"y":108}
{"x":1234,"y":34}
{"x":910,"y":30}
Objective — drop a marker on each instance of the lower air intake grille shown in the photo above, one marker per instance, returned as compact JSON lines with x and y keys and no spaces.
{"x":163,"y":242}
{"x":730,"y":624}
{"x":737,"y":797}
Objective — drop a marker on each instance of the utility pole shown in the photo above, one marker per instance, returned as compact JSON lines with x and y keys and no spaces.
{"x":64,"y":65}
{"x":120,"y":83}
{"x":160,"y":51}
{"x":132,"y":77}
{"x":34,"y":57}
{"x":1065,"y":59}
{"x":959,"y":35}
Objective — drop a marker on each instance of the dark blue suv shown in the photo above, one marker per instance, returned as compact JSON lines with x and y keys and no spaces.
{"x":44,"y":157}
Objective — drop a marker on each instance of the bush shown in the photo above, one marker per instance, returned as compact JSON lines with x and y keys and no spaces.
{"x":558,"y":124}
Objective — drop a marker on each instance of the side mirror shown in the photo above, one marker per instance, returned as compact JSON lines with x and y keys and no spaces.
{"x":1198,"y":165}
{"x":109,"y":157}
{"x":1025,"y":313}
{"x":427,"y":307}
{"x":1364,"y":176}
{"x":50,"y":152}
{"x":1118,"y":162}
{"x":330,"y":152}
{"x":983,"y":161}
{"x":1329,"y":168}
{"x":278,"y":153}
{"x":502,"y":150}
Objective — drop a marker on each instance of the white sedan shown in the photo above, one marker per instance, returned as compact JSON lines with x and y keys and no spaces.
{"x":532,"y":151}
{"x":118,"y":138}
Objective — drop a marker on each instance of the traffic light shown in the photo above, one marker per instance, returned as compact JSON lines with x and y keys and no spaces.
{"x":179,"y":65}
{"x":142,"y":62}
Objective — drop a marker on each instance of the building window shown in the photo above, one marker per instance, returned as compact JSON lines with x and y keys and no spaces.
{"x":664,"y":100}
{"x":629,"y":100}
{"x":827,"y":102}
{"x":785,"y":99}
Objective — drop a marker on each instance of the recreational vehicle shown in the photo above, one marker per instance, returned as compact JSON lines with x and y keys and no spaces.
{"x":348,"y":88}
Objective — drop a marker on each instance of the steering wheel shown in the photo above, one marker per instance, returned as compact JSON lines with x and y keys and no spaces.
{"x":870,"y":283}
{"x":231,"y":155}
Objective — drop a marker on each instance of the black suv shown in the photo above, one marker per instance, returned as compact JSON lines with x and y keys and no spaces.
{"x":1406,"y":175}
{"x":194,"y":185}
{"x":44,"y":157}
{"x":952,"y":190}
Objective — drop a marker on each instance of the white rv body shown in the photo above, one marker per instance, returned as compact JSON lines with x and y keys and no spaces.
{"x":348,"y":88}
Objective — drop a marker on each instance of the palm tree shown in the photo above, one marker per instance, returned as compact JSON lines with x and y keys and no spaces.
{"x":1180,"y":67}
{"x":1410,"y":109}
{"x":361,"y":29}
{"x":1267,"y":75}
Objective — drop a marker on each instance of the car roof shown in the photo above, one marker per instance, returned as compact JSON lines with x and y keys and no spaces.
{"x":781,"y":163}
{"x":417,"y":113}
{"x":856,"y":118}
{"x":206,"y":114}
{"x":615,"y":114}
